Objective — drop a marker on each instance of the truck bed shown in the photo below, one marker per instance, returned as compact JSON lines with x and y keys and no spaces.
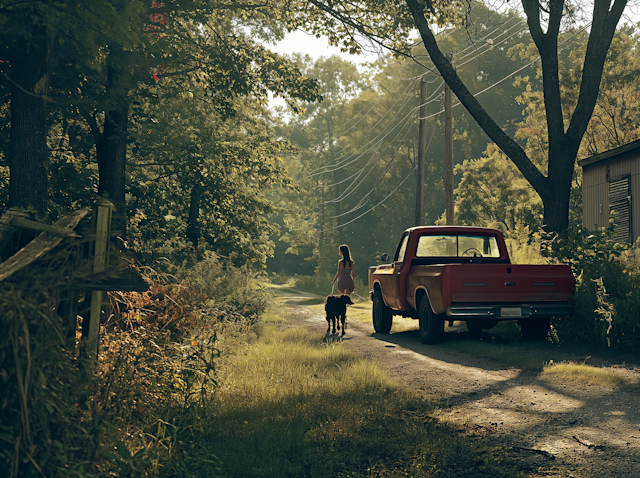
{"x":477,"y":284}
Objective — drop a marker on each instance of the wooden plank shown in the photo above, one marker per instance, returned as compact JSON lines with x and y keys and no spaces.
{"x":36,"y":226}
{"x":100,"y":261}
{"x":40,"y":245}
{"x":129,"y":281}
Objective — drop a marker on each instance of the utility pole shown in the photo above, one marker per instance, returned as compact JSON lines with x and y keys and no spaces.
{"x":448,"y":150}
{"x":322,"y":216}
{"x":422,"y":144}
{"x":335,"y":175}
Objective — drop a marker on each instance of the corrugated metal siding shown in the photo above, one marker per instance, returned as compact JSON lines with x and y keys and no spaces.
{"x":595,"y":190}
{"x":620,"y":208}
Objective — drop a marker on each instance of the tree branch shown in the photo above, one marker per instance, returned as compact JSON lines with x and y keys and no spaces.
{"x":488,"y":125}
{"x":602,"y":31}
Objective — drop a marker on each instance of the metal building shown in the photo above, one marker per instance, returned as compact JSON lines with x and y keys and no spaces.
{"x":611,"y":184}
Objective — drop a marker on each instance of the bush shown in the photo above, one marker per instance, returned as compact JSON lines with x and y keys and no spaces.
{"x":607,"y":288}
{"x":62,"y":414}
{"x":319,"y":283}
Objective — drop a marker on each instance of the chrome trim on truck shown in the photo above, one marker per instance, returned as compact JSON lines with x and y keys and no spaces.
{"x":494,"y":311}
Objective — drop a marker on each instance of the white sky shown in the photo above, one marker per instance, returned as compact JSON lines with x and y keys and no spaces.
{"x":301,"y":42}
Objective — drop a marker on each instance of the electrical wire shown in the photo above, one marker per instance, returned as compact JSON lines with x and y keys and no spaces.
{"x":360,"y":204}
{"x":386,"y":197}
{"x":430,"y":116}
{"x":321,"y":170}
{"x":353,"y":187}
{"x":369,"y":148}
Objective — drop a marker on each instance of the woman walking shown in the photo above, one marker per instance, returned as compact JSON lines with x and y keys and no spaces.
{"x":345,"y":275}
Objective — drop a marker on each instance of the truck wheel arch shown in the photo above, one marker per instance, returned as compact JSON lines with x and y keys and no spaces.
{"x":419,"y":294}
{"x":378,"y":288}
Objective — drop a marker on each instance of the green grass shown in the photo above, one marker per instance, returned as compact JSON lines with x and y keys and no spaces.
{"x":292,"y":405}
{"x":585,"y":373}
{"x":502,"y":343}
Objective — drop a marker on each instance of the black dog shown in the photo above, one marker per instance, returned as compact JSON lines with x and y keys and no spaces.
{"x":336,"y":308}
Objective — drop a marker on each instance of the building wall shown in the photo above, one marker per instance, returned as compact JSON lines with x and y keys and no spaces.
{"x":595,"y":190}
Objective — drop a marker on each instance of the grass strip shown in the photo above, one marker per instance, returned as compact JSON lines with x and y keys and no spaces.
{"x":292,"y":405}
{"x":585,"y":373}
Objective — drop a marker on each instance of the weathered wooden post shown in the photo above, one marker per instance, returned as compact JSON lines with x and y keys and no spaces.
{"x":102,"y":223}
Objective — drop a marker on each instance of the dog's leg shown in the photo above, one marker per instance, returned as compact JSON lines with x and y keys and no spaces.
{"x":328,"y":324}
{"x":344,"y":319}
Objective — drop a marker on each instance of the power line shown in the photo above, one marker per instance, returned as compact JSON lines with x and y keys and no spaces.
{"x":360,"y":205}
{"x":344,"y":194}
{"x":388,"y":195}
{"x":430,"y":116}
{"x":324,"y":169}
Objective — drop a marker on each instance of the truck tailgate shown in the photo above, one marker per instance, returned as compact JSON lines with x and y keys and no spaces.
{"x":509,"y":283}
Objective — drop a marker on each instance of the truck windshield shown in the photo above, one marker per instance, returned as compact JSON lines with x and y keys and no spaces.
{"x":457,"y":246}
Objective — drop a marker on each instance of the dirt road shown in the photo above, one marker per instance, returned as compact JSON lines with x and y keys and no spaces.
{"x":562,"y":428}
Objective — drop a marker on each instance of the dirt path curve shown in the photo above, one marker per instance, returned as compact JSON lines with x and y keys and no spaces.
{"x":569,"y":429}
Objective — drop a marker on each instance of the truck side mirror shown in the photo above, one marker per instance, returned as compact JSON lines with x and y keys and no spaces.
{"x":384,"y":257}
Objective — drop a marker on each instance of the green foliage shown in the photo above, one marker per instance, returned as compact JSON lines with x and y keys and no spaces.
{"x":293,"y":406}
{"x":358,"y":147}
{"x":201,"y":180}
{"x":62,"y":414}
{"x":607,"y":288}
{"x":320,"y":283}
{"x":493,"y":193}
{"x":235,"y":290}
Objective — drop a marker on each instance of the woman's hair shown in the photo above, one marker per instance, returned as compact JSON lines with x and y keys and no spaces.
{"x":346,"y":255}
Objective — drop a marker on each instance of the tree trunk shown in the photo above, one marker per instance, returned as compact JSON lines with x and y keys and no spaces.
{"x":111,"y":147}
{"x":606,"y":15}
{"x":556,"y":190}
{"x":193,"y":228}
{"x":556,"y":209}
{"x":28,"y":153}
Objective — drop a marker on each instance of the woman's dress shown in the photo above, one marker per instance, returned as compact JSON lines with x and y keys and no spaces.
{"x":345,"y":281}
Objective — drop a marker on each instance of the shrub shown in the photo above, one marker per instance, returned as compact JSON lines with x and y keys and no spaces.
{"x":62,"y":414}
{"x":607,"y":288}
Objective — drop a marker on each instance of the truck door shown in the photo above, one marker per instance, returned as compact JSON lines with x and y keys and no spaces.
{"x":390,"y":281}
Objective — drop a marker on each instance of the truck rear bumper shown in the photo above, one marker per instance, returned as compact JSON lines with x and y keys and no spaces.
{"x":507,"y":311}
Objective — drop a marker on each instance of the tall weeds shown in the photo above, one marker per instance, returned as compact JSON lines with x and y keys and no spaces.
{"x":62,"y":414}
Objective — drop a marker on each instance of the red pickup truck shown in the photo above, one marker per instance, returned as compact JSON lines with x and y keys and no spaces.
{"x":447,"y":273}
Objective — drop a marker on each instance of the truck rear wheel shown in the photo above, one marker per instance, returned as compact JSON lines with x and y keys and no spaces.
{"x":536,"y":329}
{"x":431,"y":325}
{"x":382,"y":315}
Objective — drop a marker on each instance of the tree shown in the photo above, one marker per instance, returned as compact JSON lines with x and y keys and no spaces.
{"x":30,"y":33}
{"x":375,"y":141}
{"x":199,"y":180}
{"x":492,"y":191}
{"x":190,"y":47}
{"x":389,"y":20}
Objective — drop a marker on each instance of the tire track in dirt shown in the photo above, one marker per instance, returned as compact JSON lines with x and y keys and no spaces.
{"x":570,"y":429}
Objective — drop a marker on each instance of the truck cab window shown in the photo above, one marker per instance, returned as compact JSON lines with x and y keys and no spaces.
{"x":402,"y":249}
{"x":457,"y":246}
{"x":436,"y":246}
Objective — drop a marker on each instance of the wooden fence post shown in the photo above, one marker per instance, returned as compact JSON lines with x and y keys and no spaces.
{"x":102,"y":221}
